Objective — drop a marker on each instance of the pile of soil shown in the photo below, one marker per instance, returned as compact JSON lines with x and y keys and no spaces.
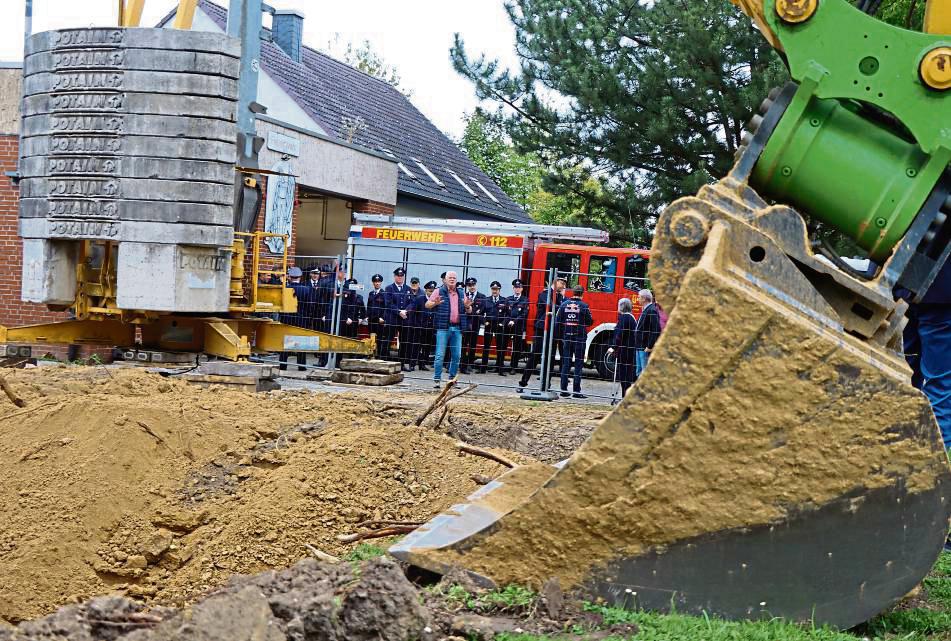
{"x":117,"y":480}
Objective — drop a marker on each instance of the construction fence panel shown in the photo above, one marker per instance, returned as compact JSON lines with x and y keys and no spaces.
{"x":508,"y":362}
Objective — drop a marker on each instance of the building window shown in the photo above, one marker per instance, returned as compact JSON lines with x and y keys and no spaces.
{"x":486,"y":191}
{"x":462,"y":182}
{"x":431,"y":175}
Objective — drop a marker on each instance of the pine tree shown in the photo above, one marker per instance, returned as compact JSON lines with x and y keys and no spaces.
{"x":628,"y":104}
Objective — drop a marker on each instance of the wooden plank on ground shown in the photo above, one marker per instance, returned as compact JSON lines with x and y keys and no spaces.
{"x":366,"y":378}
{"x":371,"y":366}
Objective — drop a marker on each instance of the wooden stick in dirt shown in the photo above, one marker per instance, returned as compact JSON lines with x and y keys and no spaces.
{"x":478,"y":451}
{"x":16,"y":400}
{"x":463,"y":392}
{"x":436,"y":403}
{"x":376,"y":534}
{"x":31,"y":409}
{"x":321,"y":556}
{"x":442,"y":417}
{"x":379,"y":524}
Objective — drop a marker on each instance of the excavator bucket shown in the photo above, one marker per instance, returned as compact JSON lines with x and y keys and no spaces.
{"x":770,"y":461}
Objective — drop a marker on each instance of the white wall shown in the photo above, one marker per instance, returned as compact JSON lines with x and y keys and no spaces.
{"x":270,"y":94}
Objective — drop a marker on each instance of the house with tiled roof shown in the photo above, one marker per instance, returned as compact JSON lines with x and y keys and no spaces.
{"x":354,"y":143}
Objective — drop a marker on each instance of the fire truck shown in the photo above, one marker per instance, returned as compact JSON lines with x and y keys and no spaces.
{"x":504,"y":252}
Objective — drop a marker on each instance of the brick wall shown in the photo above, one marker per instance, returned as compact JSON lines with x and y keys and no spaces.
{"x":373,"y":207}
{"x":13,"y":311}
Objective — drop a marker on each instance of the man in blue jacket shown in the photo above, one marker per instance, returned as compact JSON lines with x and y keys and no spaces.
{"x":573,"y":320}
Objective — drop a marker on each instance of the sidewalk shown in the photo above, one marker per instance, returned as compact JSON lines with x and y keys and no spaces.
{"x":490,"y":384}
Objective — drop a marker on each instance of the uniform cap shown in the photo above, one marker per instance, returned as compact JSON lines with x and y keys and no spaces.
{"x":295,"y":272}
{"x":377,"y":278}
{"x":350,"y":281}
{"x":495,"y":284}
{"x":442,"y":276}
{"x":561,"y":276}
{"x":414,"y":280}
{"x":430,"y":285}
{"x":315,"y":270}
{"x":399,"y":271}
{"x":471,"y":281}
{"x":517,"y":283}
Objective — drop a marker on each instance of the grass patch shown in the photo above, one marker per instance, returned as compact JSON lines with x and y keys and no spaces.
{"x":511,"y":598}
{"x":365,"y":552}
{"x":931,"y":622}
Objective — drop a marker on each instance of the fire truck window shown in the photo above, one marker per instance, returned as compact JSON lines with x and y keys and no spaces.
{"x":602,"y":271}
{"x":635,"y":273}
{"x":568,"y":264}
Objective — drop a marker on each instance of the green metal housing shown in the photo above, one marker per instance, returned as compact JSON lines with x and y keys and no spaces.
{"x":866,"y":176}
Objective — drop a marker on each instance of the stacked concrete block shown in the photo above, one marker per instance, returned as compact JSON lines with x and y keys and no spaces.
{"x":128,"y":136}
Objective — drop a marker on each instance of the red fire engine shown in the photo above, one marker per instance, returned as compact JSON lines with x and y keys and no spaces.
{"x":503,"y":252}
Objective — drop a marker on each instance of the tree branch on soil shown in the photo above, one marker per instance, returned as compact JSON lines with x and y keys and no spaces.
{"x":16,"y":400}
{"x":376,"y":534}
{"x":478,"y":451}
{"x":320,"y":555}
{"x":436,"y":403}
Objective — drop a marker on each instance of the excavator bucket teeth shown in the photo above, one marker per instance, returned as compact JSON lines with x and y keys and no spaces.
{"x":766,"y":464}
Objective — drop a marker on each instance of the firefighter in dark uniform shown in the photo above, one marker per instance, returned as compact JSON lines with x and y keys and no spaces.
{"x":538,"y":343}
{"x":397,"y":317}
{"x":376,"y":310}
{"x":321,"y":281}
{"x":301,"y":318}
{"x":573,"y":320}
{"x":352,"y":312}
{"x":413,"y":328}
{"x":474,"y":320}
{"x":425,"y":319}
{"x":496,"y":317}
{"x":518,"y":320}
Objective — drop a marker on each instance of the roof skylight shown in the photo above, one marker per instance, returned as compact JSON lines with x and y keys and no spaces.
{"x":462,"y":182}
{"x":431,"y":175}
{"x":486,"y":191}
{"x":398,"y":163}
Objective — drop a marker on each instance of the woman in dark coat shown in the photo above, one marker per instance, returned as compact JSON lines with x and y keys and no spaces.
{"x":623,"y":344}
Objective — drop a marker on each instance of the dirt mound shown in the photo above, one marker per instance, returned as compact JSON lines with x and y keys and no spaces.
{"x":308,"y":602}
{"x":118,"y":480}
{"x":548,"y":432}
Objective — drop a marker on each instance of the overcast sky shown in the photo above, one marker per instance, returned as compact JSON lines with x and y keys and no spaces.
{"x":412,"y":35}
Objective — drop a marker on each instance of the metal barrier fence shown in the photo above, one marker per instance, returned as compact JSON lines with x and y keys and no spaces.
{"x":519,"y":343}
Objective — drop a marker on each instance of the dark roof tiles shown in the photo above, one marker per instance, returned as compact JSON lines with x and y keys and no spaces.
{"x":331,"y":91}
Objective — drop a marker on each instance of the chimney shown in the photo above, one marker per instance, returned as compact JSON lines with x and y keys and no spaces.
{"x":287,"y":27}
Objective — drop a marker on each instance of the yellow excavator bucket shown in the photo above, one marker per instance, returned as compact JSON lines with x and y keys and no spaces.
{"x":767,"y":462}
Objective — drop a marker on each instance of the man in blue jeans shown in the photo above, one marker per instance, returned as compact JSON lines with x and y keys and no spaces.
{"x":928,"y":348}
{"x":450,"y":306}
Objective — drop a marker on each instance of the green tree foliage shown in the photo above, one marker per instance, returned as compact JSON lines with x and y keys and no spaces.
{"x":627,"y":104}
{"x":521,"y":175}
{"x":909,"y":14}
{"x":365,"y":58}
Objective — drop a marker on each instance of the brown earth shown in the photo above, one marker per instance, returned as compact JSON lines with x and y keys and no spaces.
{"x":121,"y":481}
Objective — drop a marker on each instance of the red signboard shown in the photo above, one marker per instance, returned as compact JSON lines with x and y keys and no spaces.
{"x":396,"y":235}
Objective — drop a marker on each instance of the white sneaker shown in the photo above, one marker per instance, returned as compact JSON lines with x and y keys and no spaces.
{"x":437,"y":385}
